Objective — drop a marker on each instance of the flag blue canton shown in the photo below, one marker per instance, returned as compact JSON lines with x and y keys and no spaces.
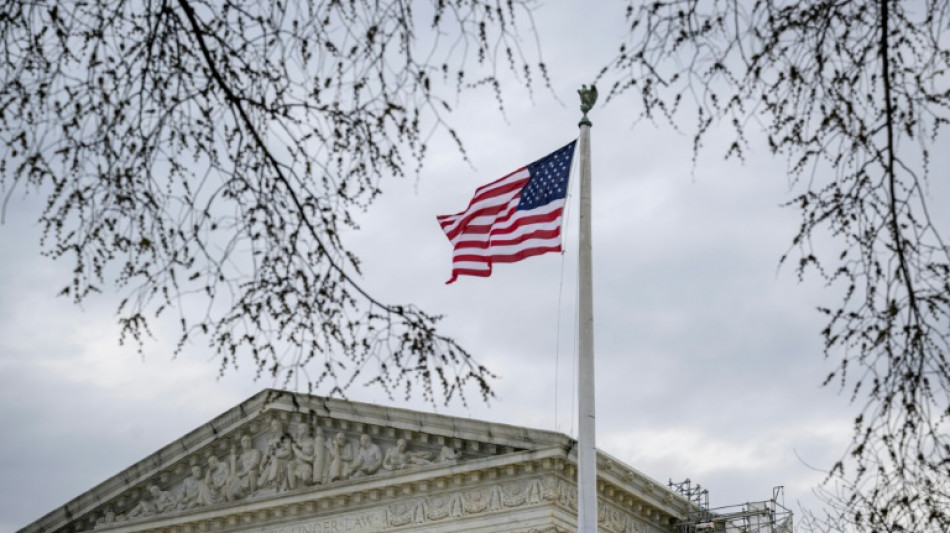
{"x":549,"y":176}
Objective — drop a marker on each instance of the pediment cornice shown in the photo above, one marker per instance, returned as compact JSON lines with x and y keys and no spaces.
{"x":280,"y":456}
{"x":519,"y":479}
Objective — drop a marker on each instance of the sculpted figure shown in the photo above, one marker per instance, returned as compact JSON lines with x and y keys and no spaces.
{"x":106,"y":517}
{"x":244,"y":470}
{"x":321,"y":455}
{"x":144,"y":508}
{"x":218,"y":477}
{"x":368,"y":459}
{"x":449,"y":455}
{"x":195,"y":491}
{"x":397,"y":458}
{"x":161,"y":502}
{"x":341,"y":453}
{"x":302,"y":468}
{"x":277,"y":463}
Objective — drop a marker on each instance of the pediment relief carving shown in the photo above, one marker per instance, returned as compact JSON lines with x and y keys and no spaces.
{"x":283,"y":458}
{"x":278,"y":452}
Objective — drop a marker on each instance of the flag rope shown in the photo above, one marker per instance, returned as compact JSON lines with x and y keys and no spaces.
{"x":572,"y":183}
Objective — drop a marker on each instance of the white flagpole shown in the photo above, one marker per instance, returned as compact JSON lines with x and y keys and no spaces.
{"x":586,"y":438}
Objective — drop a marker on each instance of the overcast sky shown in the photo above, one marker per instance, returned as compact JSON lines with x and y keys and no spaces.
{"x":708,"y":356}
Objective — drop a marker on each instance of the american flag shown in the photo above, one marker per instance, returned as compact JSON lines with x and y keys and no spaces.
{"x":515,"y":217}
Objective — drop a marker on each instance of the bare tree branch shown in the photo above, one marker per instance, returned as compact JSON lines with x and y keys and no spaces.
{"x":203,"y":157}
{"x":855,"y":96}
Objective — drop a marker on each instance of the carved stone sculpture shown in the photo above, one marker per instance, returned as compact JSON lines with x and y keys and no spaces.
{"x":160,"y":502}
{"x":107,"y":517}
{"x":244,"y":470}
{"x":277,"y":464}
{"x":321,"y":456}
{"x":449,"y":455}
{"x":302,"y":468}
{"x":195,"y":491}
{"x":368,"y":459}
{"x":341,"y":454}
{"x":282,"y":462}
{"x":397,"y":458}
{"x":218,"y":477}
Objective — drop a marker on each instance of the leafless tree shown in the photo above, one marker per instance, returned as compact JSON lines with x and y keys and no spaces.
{"x":855,"y":95}
{"x":203,"y":156}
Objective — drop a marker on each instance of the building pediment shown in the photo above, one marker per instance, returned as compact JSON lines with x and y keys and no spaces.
{"x":282,"y":458}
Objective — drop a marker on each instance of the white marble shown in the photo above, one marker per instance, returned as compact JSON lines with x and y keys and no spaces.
{"x":314,"y":465}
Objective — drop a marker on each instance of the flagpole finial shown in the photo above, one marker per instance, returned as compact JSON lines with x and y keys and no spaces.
{"x":588,"y":99}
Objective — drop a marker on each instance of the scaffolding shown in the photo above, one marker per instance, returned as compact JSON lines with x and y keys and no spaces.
{"x":694,"y":494}
{"x":767,"y":516}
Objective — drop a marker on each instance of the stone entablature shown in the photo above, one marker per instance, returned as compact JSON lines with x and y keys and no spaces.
{"x":316,"y":465}
{"x":411,"y":501}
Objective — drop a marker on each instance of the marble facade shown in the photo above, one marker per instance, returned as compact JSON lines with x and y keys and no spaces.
{"x":291,"y":463}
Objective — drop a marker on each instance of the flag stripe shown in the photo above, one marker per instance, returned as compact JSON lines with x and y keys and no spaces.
{"x":504,"y":254}
{"x":524,"y":235}
{"x":487,"y":200}
{"x":512,"y":224}
{"x":485,"y":215}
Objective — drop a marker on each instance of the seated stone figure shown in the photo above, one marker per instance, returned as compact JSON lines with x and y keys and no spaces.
{"x":218,"y":477}
{"x":195,"y":491}
{"x":368,"y":459}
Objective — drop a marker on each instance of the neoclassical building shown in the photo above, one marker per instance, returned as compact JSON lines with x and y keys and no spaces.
{"x":290,"y":463}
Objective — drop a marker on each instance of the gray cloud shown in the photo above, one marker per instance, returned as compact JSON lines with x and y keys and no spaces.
{"x":708,"y":359}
